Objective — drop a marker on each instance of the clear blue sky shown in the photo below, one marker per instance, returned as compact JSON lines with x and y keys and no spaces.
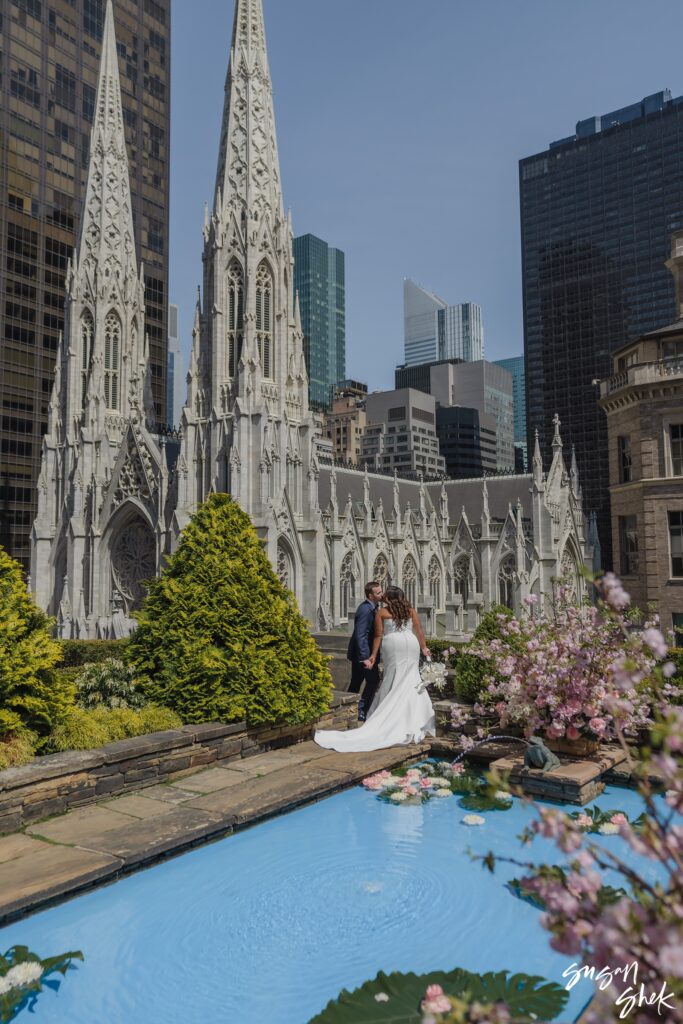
{"x":400,"y":125}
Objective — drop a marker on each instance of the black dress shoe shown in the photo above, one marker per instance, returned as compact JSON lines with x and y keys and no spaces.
{"x":361,"y":716}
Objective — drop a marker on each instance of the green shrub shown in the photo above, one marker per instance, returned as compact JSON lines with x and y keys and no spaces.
{"x":219,"y":638}
{"x":109,"y":684}
{"x":85,"y":730}
{"x":31,"y":696}
{"x":470,"y":670}
{"x":17,"y":749}
{"x":76,"y":653}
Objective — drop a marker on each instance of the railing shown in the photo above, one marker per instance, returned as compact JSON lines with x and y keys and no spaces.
{"x":642,"y":373}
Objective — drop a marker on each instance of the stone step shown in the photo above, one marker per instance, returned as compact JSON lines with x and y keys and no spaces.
{"x":573,"y":781}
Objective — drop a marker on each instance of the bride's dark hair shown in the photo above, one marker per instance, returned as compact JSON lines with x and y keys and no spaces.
{"x":397,"y":605}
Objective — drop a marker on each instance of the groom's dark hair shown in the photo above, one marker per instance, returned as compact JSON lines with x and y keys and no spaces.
{"x":369,"y":587}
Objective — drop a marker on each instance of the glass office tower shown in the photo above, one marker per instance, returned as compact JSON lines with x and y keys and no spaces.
{"x":515,"y":366}
{"x":319,"y":280}
{"x":50,"y":57}
{"x":597,"y":212}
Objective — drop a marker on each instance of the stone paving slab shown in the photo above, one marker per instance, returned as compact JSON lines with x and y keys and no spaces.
{"x":76,"y":826}
{"x":18,"y":845}
{"x":48,"y":873}
{"x":170,"y":794}
{"x":211,"y":780}
{"x":139,"y":805}
{"x":146,"y":840}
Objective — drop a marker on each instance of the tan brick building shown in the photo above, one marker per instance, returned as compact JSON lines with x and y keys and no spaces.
{"x":643,"y":400}
{"x":346,"y":423}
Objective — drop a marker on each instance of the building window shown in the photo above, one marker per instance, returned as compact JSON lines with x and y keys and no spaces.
{"x":112,"y":357}
{"x":676,"y":543}
{"x":676,"y":441}
{"x":235,"y":316}
{"x":625,"y":462}
{"x":507,"y":574}
{"x":264,"y":318}
{"x":628,"y":543}
{"x":398,"y":413}
{"x":410,"y":580}
{"x":87,"y":334}
{"x":677,"y":624}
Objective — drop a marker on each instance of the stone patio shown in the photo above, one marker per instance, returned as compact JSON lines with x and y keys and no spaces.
{"x":63,"y":855}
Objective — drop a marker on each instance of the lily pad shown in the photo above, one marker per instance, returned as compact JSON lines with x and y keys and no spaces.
{"x":529,"y":997}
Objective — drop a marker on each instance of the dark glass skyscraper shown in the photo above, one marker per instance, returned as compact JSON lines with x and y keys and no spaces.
{"x":50,"y":57}
{"x":597,"y":212}
{"x":319,"y":280}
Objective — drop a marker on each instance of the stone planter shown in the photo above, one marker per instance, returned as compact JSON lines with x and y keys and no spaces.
{"x":583,"y":747}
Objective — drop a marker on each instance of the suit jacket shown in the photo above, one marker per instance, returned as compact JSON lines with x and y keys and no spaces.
{"x":360,"y":644}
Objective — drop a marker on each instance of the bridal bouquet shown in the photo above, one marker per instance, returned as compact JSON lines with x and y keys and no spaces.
{"x":433,"y":673}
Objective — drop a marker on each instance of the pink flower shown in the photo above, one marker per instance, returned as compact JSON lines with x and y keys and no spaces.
{"x":584,"y":821}
{"x":619,"y":819}
{"x":426,"y":783}
{"x":671,"y":960}
{"x":597,"y":725}
{"x":572,"y":732}
{"x":411,"y":791}
{"x":372,"y":782}
{"x":656,"y":642}
{"x":435,"y":1001}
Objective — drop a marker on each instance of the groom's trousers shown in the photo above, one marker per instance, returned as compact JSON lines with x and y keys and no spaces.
{"x":369,"y":676}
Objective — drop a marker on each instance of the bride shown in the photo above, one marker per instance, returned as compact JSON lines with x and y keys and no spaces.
{"x":402,"y":710}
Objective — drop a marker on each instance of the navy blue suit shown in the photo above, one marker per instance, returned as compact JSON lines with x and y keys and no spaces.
{"x":360,"y":649}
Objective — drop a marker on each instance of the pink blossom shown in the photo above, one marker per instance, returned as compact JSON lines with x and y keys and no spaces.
{"x":435,"y":1001}
{"x":372,"y":782}
{"x":584,"y":821}
{"x":426,"y":783}
{"x":656,"y":642}
{"x":619,"y":819}
{"x":411,"y":791}
{"x":572,"y":732}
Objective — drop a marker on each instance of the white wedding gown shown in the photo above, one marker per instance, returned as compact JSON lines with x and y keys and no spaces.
{"x":401,"y":711}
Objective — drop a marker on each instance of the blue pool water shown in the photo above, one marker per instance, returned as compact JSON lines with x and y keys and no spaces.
{"x":271,"y":923}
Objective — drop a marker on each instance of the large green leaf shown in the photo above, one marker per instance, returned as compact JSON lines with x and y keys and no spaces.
{"x":528,"y":997}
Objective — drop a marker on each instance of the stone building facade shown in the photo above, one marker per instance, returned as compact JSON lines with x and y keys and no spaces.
{"x":115,"y":494}
{"x":643,"y":400}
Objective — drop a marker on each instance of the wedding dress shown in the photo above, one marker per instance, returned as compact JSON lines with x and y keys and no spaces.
{"x":402,"y":710}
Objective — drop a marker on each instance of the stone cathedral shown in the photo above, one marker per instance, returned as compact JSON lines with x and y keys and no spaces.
{"x":115,"y":490}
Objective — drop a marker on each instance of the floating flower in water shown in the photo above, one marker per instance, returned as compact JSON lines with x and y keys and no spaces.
{"x":619,"y":820}
{"x":23,"y":974}
{"x":442,"y":792}
{"x":437,"y":780}
{"x":398,"y":797}
{"x":457,"y":768}
{"x":473,"y":819}
{"x":435,"y":1001}
{"x":608,"y":829}
{"x":584,"y":821}
{"x":372,"y":782}
{"x":426,"y":783}
{"x":411,"y":791}
{"x":502,"y":794}
{"x":381,"y":997}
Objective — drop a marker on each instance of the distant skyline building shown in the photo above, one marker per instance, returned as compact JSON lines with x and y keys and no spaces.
{"x":319,"y":279}
{"x":515,"y":366}
{"x":467,"y":440}
{"x":486,"y":387}
{"x":597,"y":213}
{"x":50,"y":56}
{"x":176,"y":385}
{"x":400,"y":433}
{"x":434,"y":330}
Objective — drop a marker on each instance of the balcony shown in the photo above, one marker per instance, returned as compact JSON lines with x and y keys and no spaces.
{"x":642,"y":373}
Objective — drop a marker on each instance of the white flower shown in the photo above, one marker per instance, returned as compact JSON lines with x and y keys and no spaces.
{"x":24,"y":974}
{"x":397,"y":797}
{"x":500,"y":794}
{"x":442,"y":792}
{"x":381,"y":997}
{"x":608,"y":829}
{"x":4,"y":986}
{"x":473,"y":819}
{"x":438,"y":780}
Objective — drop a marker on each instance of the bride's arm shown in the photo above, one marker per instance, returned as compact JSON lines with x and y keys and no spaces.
{"x":417,"y":629}
{"x":379,"y":633}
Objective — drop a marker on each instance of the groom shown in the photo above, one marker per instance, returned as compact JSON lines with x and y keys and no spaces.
{"x":360,"y":648}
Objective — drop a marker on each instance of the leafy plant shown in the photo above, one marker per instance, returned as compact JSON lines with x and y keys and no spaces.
{"x":109,"y":684}
{"x":599,"y":819}
{"x":31,"y":697}
{"x":23,"y":975}
{"x":76,"y":653}
{"x":86,"y":730}
{"x":472,"y":671}
{"x":478,"y":795}
{"x":219,"y":638}
{"x":527,"y":997}
{"x":16,"y":749}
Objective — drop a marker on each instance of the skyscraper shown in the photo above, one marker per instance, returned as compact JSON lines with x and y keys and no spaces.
{"x":319,"y":280}
{"x":597,"y":212}
{"x":47,"y":98}
{"x":515,"y":366}
{"x":433,"y":330}
{"x":176,"y":385}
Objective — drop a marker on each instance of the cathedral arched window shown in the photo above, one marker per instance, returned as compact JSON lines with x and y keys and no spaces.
{"x":235,"y":316}
{"x":87,"y":336}
{"x":347,"y":587}
{"x":461,"y":575}
{"x":435,"y":582}
{"x":264,"y":318}
{"x":506,"y":582}
{"x":409,"y":580}
{"x":112,"y":361}
{"x":380,"y":571}
{"x":285,"y":569}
